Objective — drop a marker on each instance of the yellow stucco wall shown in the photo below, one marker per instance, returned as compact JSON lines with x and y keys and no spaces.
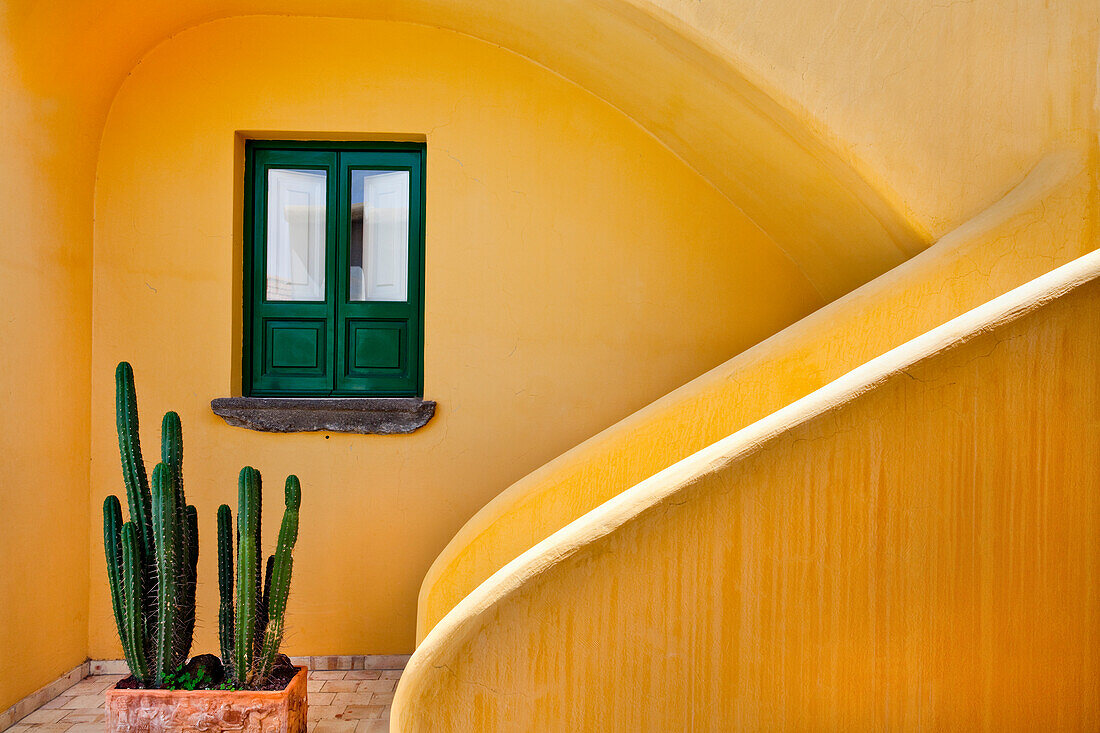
{"x":45,"y":348}
{"x":852,"y":135}
{"x":1048,"y":220}
{"x":942,"y":106}
{"x":916,"y":546}
{"x":825,"y":215}
{"x":564,"y":247}
{"x":855,"y":133}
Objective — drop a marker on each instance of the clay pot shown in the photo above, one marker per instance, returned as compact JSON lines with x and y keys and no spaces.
{"x":153,"y":711}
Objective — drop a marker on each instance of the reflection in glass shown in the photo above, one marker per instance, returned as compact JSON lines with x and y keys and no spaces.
{"x":378,"y":255}
{"x":295,"y":234}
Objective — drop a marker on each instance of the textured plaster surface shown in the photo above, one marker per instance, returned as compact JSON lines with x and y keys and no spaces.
{"x":565,"y":247}
{"x":854,"y":132}
{"x":1047,"y":220}
{"x":913,"y":546}
{"x":801,"y":192}
{"x":945,"y":105}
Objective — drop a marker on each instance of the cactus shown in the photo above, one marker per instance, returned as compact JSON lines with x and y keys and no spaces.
{"x":226,"y":623}
{"x":279,"y":578}
{"x":151,"y":559}
{"x":252,"y":630}
{"x":132,"y":628}
{"x":262,"y":616}
{"x":248,"y":570}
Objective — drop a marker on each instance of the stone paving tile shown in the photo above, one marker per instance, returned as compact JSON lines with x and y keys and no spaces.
{"x":321,"y":698}
{"x":54,"y":703}
{"x":324,"y":712}
{"x":90,"y":686}
{"x":377,"y":686}
{"x":352,"y":698}
{"x":340,"y":701}
{"x":85,"y":716}
{"x":334,"y":726}
{"x":373,"y":726}
{"x":41,"y":717}
{"x":362,"y":712}
{"x":86,"y":702}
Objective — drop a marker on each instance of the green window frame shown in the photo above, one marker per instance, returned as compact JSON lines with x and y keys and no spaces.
{"x":332,"y":344}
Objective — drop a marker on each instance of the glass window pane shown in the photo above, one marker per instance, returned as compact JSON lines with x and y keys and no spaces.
{"x":296,"y":234}
{"x":378,"y":255}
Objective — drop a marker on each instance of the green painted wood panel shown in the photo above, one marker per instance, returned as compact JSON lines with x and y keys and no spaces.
{"x":333,"y":344}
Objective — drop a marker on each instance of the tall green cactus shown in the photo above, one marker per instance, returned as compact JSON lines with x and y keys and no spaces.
{"x":226,"y":616}
{"x":152,"y":559}
{"x":252,"y":630}
{"x":279,"y":578}
{"x":248,"y":570}
{"x":132,"y":628}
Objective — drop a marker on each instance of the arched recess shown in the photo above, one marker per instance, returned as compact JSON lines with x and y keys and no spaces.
{"x":575,"y":270}
{"x":832,"y":223}
{"x":61,"y":65}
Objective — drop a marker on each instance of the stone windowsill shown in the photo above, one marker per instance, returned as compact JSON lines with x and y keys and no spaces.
{"x":366,"y":415}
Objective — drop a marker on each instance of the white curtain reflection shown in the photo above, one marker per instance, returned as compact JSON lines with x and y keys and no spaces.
{"x":379,"y":242}
{"x":296,"y":234}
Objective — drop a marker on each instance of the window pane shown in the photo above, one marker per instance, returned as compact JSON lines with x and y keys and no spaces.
{"x":295,"y":234}
{"x":378,"y":255}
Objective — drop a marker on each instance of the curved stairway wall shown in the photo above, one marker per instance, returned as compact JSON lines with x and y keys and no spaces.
{"x":855,"y":133}
{"x":914,"y":545}
{"x":1047,"y":220}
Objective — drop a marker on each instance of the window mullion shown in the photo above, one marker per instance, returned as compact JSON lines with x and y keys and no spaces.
{"x":337,"y":215}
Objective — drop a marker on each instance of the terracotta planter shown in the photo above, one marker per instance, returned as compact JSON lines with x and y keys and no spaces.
{"x":152,"y":711}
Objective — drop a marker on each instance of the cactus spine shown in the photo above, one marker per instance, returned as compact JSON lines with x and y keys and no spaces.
{"x":152,"y":559}
{"x":253,"y":628}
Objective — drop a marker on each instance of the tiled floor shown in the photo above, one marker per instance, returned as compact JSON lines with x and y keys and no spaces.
{"x":339,"y":702}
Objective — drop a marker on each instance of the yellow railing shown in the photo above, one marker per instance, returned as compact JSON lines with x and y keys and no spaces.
{"x":915,"y":545}
{"x":1046,"y":221}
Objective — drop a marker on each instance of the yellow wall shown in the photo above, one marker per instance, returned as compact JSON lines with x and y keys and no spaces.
{"x":851,"y":133}
{"x":913,"y":547}
{"x":565,"y":247}
{"x":854,"y":133}
{"x":1048,"y":220}
{"x":45,"y":318}
{"x":942,"y":106}
{"x":835,"y":225}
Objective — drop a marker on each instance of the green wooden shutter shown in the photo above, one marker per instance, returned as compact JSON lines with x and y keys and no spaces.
{"x":292,"y":343}
{"x":378,"y":343}
{"x":336,"y":343}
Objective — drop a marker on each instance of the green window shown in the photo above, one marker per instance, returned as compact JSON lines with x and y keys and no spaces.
{"x":334,"y":269}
